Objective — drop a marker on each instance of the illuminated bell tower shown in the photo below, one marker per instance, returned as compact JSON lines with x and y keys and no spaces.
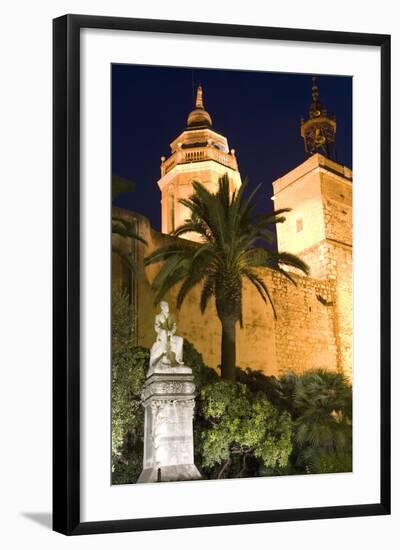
{"x":319,"y":226}
{"x":319,"y":131}
{"x":200,"y":154}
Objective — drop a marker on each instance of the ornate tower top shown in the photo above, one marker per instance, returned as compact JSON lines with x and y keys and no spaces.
{"x":199,"y":153}
{"x":199,"y":118}
{"x":199,"y":142}
{"x":319,"y":131}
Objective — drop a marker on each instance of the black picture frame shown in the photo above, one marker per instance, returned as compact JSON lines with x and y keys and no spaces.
{"x":66,"y":273}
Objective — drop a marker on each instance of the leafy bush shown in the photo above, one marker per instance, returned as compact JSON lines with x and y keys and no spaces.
{"x":241,"y":431}
{"x":258,"y":382}
{"x":129,"y":366}
{"x":128,"y":418}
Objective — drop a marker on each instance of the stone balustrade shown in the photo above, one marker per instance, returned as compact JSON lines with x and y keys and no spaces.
{"x":198,"y":154}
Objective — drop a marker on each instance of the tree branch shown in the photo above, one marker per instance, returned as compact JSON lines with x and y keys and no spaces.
{"x":224,"y":467}
{"x":243,"y":468}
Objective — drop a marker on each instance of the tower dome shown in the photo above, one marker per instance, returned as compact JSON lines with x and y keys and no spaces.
{"x":199,"y":118}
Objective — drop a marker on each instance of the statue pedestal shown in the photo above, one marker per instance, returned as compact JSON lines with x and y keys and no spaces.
{"x":168,"y":399}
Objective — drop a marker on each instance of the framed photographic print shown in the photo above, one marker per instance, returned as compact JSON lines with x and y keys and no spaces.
{"x":220,"y":355}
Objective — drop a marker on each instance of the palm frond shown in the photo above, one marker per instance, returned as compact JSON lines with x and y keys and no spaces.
{"x":261,"y":288}
{"x":191,"y":226}
{"x":124,"y":228}
{"x":169,"y":282}
{"x":285,"y":258}
{"x":207,"y":292}
{"x":120,"y":185}
{"x":164,"y":252}
{"x":169,"y":267}
{"x":286,"y":274}
{"x":126,"y":258}
{"x":191,"y":280}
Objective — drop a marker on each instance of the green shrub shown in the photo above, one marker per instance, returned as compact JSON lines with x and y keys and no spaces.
{"x":241,"y":431}
{"x":258,"y":382}
{"x":129,"y":366}
{"x":320,"y":403}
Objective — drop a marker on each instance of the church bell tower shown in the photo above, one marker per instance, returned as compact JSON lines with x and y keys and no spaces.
{"x":319,"y":226}
{"x":200,"y":154}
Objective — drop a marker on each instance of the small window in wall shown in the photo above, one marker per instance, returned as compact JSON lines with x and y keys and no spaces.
{"x":299,"y":225}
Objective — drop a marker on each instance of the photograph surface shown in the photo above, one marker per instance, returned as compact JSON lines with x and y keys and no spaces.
{"x":231,"y":235}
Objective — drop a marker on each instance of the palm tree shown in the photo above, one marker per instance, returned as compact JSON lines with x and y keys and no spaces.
{"x":320,"y":403}
{"x":123,"y":227}
{"x":234,"y":241}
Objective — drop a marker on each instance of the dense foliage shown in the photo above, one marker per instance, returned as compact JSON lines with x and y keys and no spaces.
{"x":129,"y":365}
{"x":235,"y":241}
{"x":241,"y":431}
{"x":315,"y":408}
{"x":320,"y":403}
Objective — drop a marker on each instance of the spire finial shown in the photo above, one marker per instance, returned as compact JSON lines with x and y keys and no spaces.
{"x":199,"y":118}
{"x":314,"y":89}
{"x":319,"y":131}
{"x":199,"y":97}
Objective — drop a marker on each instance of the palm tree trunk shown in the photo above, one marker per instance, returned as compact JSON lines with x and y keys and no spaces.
{"x":228,"y":349}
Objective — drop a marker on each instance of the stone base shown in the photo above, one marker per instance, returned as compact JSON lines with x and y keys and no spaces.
{"x":168,"y":400}
{"x":161,"y":369}
{"x":183,"y":472}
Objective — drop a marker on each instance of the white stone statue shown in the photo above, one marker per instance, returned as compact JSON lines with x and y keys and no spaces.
{"x":167,"y":350}
{"x":168,"y":397}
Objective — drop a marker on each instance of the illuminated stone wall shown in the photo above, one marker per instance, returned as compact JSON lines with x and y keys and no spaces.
{"x":303,"y":336}
{"x":319,"y":230}
{"x":313,"y":328}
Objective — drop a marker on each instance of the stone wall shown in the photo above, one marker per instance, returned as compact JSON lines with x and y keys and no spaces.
{"x":333,"y":262}
{"x":319,"y":230}
{"x":337,"y":206}
{"x":305,"y":324}
{"x":304,"y":335}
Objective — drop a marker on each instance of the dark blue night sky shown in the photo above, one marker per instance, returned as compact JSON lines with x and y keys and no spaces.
{"x":258,"y":112}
